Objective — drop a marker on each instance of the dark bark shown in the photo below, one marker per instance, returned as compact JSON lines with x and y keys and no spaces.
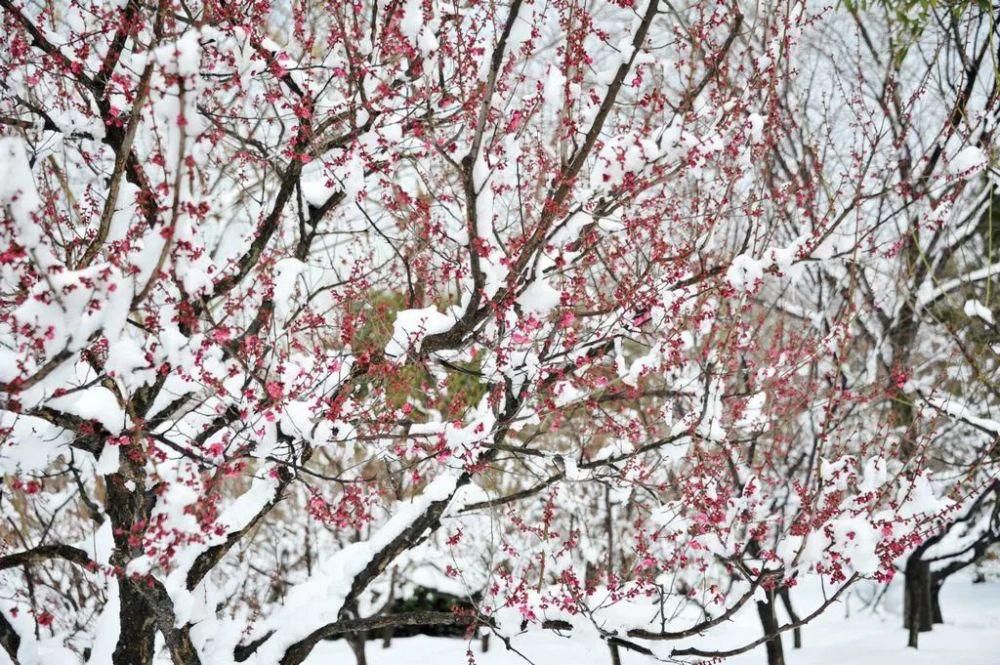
{"x":44,"y":553}
{"x":616,"y":657}
{"x":10,"y":641}
{"x":609,"y":527}
{"x":936,"y":584}
{"x":922,"y":588}
{"x":138,"y":630}
{"x":769,"y":621}
{"x":786,"y":600}
{"x":917,"y":602}
{"x":128,"y":507}
{"x":357,"y":644}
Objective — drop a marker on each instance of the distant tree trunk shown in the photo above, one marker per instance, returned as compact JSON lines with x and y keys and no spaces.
{"x":356,"y":640}
{"x":918,"y":601}
{"x":936,"y":584}
{"x":616,"y":657}
{"x":357,"y":643}
{"x":786,"y":600}
{"x":769,"y":621}
{"x":609,"y":525}
{"x":922,"y":588}
{"x":388,"y":632}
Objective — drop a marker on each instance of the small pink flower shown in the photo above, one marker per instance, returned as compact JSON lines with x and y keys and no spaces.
{"x":526,"y":612}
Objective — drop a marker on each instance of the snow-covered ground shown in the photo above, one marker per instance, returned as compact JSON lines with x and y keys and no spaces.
{"x":845,"y":635}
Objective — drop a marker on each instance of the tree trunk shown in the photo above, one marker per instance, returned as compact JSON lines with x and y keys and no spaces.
{"x":769,"y":621}
{"x":936,"y":584}
{"x":786,"y":600}
{"x":138,"y":632}
{"x":129,"y":506}
{"x":609,"y":525}
{"x":357,"y":643}
{"x":918,"y":600}
{"x":616,"y":657}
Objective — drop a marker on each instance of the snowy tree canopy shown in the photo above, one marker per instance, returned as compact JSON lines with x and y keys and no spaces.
{"x":608,"y":318}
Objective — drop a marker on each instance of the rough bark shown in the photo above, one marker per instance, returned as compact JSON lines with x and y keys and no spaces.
{"x":936,"y":584}
{"x":129,"y":507}
{"x":769,"y":621}
{"x":138,"y":630}
{"x":922,"y":590}
{"x":917,"y":603}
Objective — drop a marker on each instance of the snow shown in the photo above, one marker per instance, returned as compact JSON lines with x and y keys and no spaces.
{"x":753,"y":417}
{"x":286,"y":274}
{"x":746,"y":272}
{"x":412,"y":21}
{"x":17,"y":189}
{"x":109,"y":460}
{"x":929,"y":294}
{"x":412,"y":326}
{"x":37,"y":443}
{"x":94,"y":403}
{"x":127,"y":362}
{"x":974,"y":308}
{"x":968,"y":161}
{"x":755,"y":125}
{"x":569,"y":232}
{"x":919,"y":499}
{"x":106,"y":630}
{"x":318,"y":600}
{"x":847,"y":634}
{"x":72,"y":305}
{"x":856,"y":539}
{"x":46,"y":651}
{"x":491,"y":264}
{"x":965,"y":413}
{"x":875,"y":475}
{"x":552,"y":92}
{"x":183,"y":56}
{"x":674,"y":175}
{"x":539,"y":297}
{"x":420,"y":34}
